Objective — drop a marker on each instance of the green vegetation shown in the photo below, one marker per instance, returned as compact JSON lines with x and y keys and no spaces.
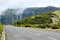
{"x":1,"y":30}
{"x":42,"y":20}
{"x":37,"y":19}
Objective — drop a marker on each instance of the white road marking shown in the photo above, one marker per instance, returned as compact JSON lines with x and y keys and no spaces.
{"x":52,"y":38}
{"x":30,"y":32}
{"x":37,"y":34}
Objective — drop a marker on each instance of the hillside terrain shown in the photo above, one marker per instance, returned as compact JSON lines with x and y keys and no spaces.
{"x":43,"y":19}
{"x":36,"y":10}
{"x":11,"y":16}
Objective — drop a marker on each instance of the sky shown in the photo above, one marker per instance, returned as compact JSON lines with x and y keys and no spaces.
{"x":5,"y":4}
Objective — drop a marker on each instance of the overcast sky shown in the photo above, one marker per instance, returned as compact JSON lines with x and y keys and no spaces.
{"x":5,"y":4}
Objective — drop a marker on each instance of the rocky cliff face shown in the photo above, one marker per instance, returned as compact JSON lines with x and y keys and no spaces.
{"x":10,"y":16}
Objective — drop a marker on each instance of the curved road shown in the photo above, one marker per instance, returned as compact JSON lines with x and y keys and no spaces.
{"x":17,"y":33}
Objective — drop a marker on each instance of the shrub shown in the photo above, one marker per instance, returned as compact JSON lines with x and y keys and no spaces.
{"x":35,"y":25}
{"x":55,"y":26}
{"x":1,"y":29}
{"x":0,"y":34}
{"x":27,"y":25}
{"x":48,"y":25}
{"x":42,"y":26}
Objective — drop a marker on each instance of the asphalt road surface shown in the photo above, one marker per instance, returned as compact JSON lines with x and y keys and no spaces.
{"x":17,"y":33}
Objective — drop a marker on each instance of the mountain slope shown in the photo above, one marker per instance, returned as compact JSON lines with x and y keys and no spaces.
{"x":10,"y":16}
{"x":33,"y":11}
{"x":37,"y":19}
{"x":44,"y":18}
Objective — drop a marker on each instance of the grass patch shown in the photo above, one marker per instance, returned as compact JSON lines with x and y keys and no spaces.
{"x":1,"y":30}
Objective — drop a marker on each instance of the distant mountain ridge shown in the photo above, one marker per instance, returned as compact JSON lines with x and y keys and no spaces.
{"x":10,"y":15}
{"x":35,"y":10}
